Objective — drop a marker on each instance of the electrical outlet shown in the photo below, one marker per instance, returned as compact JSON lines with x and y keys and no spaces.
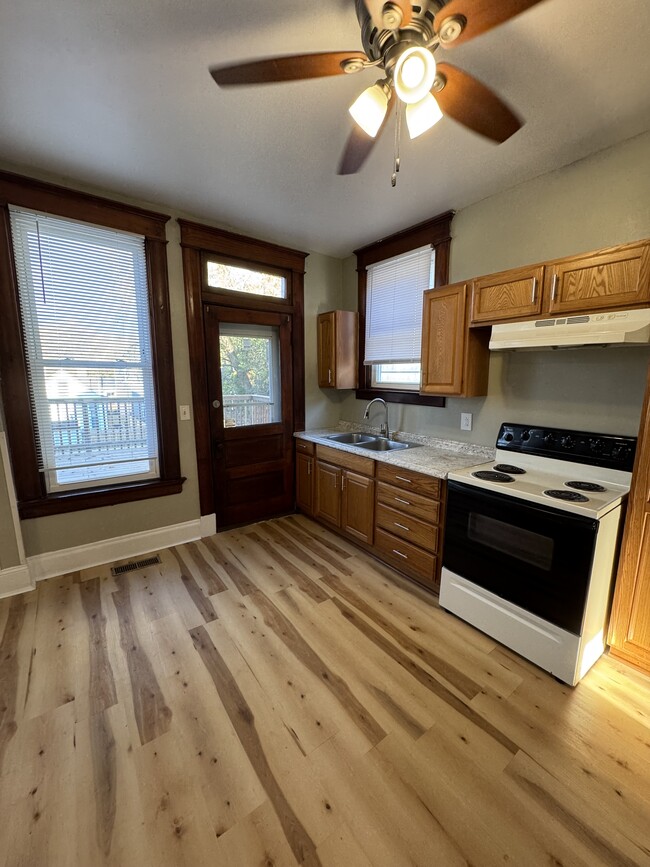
{"x":184,"y":412}
{"x":466,"y":421}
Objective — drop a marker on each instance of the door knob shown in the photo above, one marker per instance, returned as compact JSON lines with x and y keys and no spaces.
{"x":216,"y":404}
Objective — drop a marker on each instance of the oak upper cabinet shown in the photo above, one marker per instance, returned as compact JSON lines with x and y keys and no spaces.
{"x":600,"y":281}
{"x":455,"y":359}
{"x":514,"y":294}
{"x":305,"y":476}
{"x":629,"y":632}
{"x":345,"y":492}
{"x":338,"y":336}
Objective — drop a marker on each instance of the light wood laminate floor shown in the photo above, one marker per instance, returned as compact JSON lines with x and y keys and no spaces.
{"x":272,"y":696}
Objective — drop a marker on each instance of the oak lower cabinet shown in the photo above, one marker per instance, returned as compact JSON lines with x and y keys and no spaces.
{"x":345,"y":492}
{"x":629,"y":631}
{"x":408,"y":523}
{"x":338,"y":335}
{"x":455,"y":358}
{"x":305,"y":476}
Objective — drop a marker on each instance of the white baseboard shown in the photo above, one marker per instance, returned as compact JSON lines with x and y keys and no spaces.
{"x":15,"y":580}
{"x":208,"y":525}
{"x":54,"y":563}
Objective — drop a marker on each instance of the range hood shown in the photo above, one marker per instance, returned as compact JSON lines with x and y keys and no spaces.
{"x":621,"y":328}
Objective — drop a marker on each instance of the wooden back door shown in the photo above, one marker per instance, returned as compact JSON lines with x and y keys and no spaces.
{"x":250,"y":389}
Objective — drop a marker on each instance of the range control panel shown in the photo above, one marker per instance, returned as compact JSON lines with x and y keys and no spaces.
{"x":599,"y":450}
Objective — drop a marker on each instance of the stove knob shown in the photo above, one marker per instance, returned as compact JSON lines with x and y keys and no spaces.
{"x":620,"y":452}
{"x":596,"y":446}
{"x":549,"y":439}
{"x":566,"y":442}
{"x":525,"y":436}
{"x":508,"y":437}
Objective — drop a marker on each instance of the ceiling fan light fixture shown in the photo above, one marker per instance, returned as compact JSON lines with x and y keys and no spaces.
{"x":422,"y":115}
{"x":369,"y":109}
{"x":414,"y":74}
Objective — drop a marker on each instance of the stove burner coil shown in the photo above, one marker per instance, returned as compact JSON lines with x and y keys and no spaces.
{"x":586,"y":486}
{"x":509,"y":468}
{"x":569,"y":496}
{"x":491,"y":476}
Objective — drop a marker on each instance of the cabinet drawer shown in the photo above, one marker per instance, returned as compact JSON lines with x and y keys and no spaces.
{"x":347,"y":460}
{"x":408,"y":528}
{"x":406,"y":557}
{"x":407,"y":480}
{"x":305,"y":447}
{"x":409,"y":503}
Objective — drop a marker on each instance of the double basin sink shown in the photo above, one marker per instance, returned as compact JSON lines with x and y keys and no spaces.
{"x":369,"y":442}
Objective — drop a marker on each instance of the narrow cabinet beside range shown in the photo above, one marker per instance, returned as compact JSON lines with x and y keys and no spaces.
{"x":629,"y":631}
{"x":455,"y":358}
{"x":305,"y":476}
{"x":338,"y":335}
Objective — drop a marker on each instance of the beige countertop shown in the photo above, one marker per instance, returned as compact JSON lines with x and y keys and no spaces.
{"x":433,"y":456}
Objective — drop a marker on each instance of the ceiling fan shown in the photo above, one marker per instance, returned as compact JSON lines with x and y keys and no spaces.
{"x":400,"y":38}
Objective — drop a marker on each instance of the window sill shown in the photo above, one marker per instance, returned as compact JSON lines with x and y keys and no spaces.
{"x":111,"y":495}
{"x":412,"y":397}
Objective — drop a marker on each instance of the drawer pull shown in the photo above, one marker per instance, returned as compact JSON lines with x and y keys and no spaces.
{"x":399,"y":554}
{"x":402,"y":479}
{"x":402,"y":527}
{"x":405,"y":502}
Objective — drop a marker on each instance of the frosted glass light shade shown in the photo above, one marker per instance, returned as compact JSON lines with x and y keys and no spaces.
{"x":369,"y":109}
{"x":414,"y":74}
{"x":422,"y":115}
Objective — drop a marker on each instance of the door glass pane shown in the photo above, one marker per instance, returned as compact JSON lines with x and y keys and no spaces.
{"x":234,"y":279}
{"x":250,"y":374}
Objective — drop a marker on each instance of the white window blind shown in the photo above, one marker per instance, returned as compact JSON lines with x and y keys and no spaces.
{"x":394,"y":306}
{"x":85,"y":313}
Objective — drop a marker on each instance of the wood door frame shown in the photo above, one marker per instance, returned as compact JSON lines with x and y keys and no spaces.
{"x":196,"y":241}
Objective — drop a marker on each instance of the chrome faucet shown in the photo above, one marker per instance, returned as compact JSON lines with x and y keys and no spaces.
{"x":383,"y":430}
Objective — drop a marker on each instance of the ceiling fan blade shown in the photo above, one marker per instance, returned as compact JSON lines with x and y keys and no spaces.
{"x":359,"y":144}
{"x":474,"y":105}
{"x":294,"y":67}
{"x":480,"y":16}
{"x":376,"y":10}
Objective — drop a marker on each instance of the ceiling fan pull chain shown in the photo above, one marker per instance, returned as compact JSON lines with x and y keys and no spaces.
{"x":398,"y":135}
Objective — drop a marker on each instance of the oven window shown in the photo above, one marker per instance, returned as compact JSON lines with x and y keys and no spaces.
{"x":513,"y":541}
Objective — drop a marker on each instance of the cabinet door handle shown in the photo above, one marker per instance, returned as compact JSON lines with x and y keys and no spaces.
{"x":399,"y":554}
{"x":342,"y":481}
{"x":534,"y":298}
{"x":405,"y":502}
{"x":329,"y":377}
{"x":402,"y":527}
{"x":402,"y":479}
{"x":554,"y":287}
{"x":309,"y":468}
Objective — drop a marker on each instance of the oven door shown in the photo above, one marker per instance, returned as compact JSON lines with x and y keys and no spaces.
{"x":535,"y":557}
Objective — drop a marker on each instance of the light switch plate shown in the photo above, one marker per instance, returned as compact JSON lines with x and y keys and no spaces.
{"x":184,"y":413}
{"x":466,"y":421}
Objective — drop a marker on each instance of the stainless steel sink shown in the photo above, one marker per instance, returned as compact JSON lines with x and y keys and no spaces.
{"x":379,"y":444}
{"x":352,"y":439}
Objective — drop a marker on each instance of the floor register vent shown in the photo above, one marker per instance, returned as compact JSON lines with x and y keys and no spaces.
{"x":131,"y":567}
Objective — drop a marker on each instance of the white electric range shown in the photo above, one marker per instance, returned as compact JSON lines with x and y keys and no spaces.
{"x":532,"y":539}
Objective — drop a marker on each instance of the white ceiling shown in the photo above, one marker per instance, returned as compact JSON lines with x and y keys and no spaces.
{"x":118,"y":94}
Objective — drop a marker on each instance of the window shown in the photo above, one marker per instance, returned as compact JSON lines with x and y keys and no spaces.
{"x":85,"y":350}
{"x":233,"y":278}
{"x":393,"y":274}
{"x":250,"y":374}
{"x":394,"y":317}
{"x":85,"y":313}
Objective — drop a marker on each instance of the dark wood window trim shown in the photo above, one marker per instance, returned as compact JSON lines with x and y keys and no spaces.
{"x":33,"y":499}
{"x":436,"y":232}
{"x":198,"y":242}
